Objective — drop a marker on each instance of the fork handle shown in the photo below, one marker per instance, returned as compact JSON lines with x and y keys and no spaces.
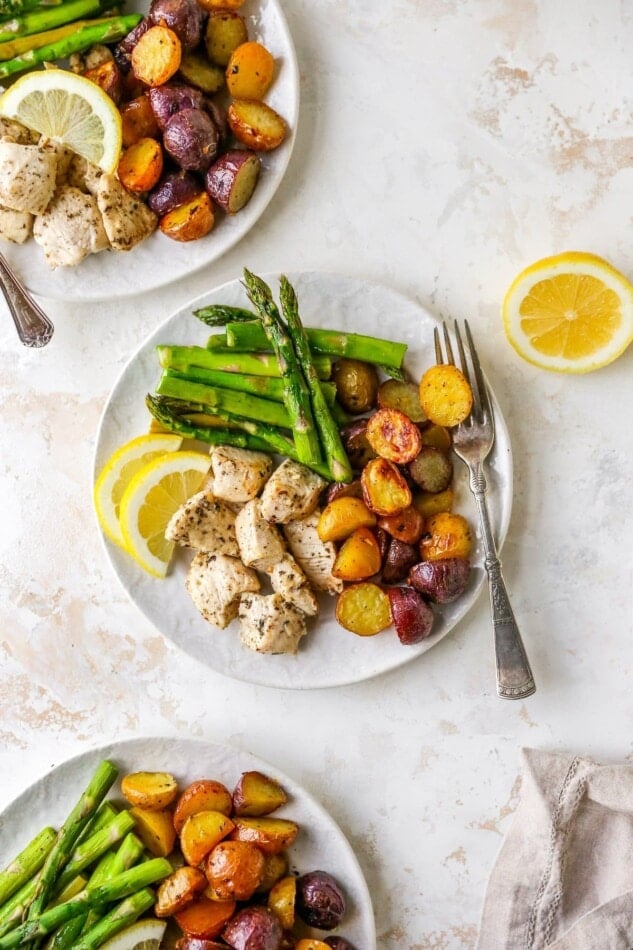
{"x":514,"y":676}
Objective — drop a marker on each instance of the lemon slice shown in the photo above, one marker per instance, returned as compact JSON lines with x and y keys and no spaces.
{"x":143,"y":935}
{"x":70,"y":109}
{"x":117,"y":472}
{"x":153,"y":495}
{"x":571,"y":313}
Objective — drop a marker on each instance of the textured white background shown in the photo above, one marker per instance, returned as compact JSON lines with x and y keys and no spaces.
{"x":442,"y":146}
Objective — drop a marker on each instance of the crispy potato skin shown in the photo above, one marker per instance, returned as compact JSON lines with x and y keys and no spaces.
{"x":108,"y":76}
{"x":189,"y":221}
{"x":445,"y":395}
{"x":138,"y":120}
{"x":406,"y":526}
{"x":151,"y":790}
{"x":178,"y":890}
{"x":393,"y":436}
{"x":256,"y":795}
{"x":446,"y":535}
{"x":412,"y":616}
{"x":441,"y":581}
{"x":343,"y":516}
{"x":204,"y":918}
{"x":234,"y":870}
{"x":232,"y":178}
{"x":256,"y":125}
{"x":398,"y":561}
{"x":385,"y":490}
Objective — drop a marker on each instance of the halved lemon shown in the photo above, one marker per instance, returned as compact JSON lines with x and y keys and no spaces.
{"x":153,"y":495}
{"x":571,"y":313}
{"x":143,"y":935}
{"x":117,"y":473}
{"x":70,"y":109}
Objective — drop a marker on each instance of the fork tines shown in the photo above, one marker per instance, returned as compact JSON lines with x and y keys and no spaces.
{"x":481,"y":401}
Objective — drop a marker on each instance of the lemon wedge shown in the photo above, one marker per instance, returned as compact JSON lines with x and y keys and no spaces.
{"x":153,"y":495}
{"x":117,"y":473}
{"x":69,"y":109}
{"x":572,"y":313}
{"x":143,"y":935}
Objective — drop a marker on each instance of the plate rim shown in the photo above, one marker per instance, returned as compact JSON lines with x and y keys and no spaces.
{"x":202,"y":743}
{"x":501,"y":529}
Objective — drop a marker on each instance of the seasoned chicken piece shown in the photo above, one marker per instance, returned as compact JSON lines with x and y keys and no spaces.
{"x":14,"y":131}
{"x":27,"y":177}
{"x":215,"y":583}
{"x":63,"y":157}
{"x":314,"y":556}
{"x":291,"y":492}
{"x":205,"y":524}
{"x":16,"y":226}
{"x":269,"y":624}
{"x":70,"y":229}
{"x":84,"y":175}
{"x":238,"y":474}
{"x":260,"y":543}
{"x":288,"y":579}
{"x":126,"y":219}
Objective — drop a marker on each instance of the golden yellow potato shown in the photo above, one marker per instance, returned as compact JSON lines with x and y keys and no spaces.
{"x":446,"y":535}
{"x":152,"y":790}
{"x":342,"y":516}
{"x":155,"y":829}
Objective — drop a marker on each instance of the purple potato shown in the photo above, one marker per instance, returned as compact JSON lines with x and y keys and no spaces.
{"x":123,"y":49}
{"x":173,"y":190}
{"x":412,"y":616}
{"x":218,"y":114}
{"x":339,"y":943}
{"x":398,"y":561}
{"x":343,"y":490}
{"x":232,"y":178}
{"x":184,"y":17}
{"x":254,"y":928}
{"x":191,"y":139}
{"x":320,"y":900}
{"x":170,"y":99}
{"x":357,"y":447}
{"x":441,"y":581}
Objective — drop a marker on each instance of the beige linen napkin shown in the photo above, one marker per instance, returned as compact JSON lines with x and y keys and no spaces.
{"x":564,"y":876}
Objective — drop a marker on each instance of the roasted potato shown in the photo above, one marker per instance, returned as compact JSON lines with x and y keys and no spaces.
{"x":343,"y":516}
{"x":232,"y":178}
{"x":205,"y":794}
{"x":398,"y":561}
{"x":198,"y":71}
{"x":178,"y":890}
{"x":154,"y":791}
{"x":271,"y":835}
{"x":311,"y":943}
{"x":445,"y":395}
{"x":155,"y":829}
{"x":357,"y":448}
{"x":255,"y":927}
{"x":137,"y":120}
{"x":141,"y":165}
{"x":256,"y":795}
{"x":446,"y":535}
{"x":226,"y":30}
{"x":385,"y":489}
{"x":358,"y":557}
{"x":234,"y":870}
{"x":344,"y":490}
{"x":275,"y":867}
{"x":393,"y":436}
{"x":201,"y":833}
{"x":172,"y":191}
{"x":190,"y":221}
{"x":123,"y":49}
{"x":431,"y":469}
{"x":198,"y":943}
{"x":281,"y":900}
{"x":108,"y":77}
{"x":184,"y":17}
{"x":191,"y":139}
{"x":406,"y":526}
{"x":205,"y":918}
{"x":320,"y":900}
{"x":363,"y":609}
{"x":171,"y":98}
{"x":221,"y":4}
{"x":439,"y":436}
{"x":441,"y":581}
{"x":256,"y":125}
{"x":401,"y":395}
{"x":412,"y":616}
{"x":356,"y":385}
{"x":428,"y":503}
{"x":250,"y":71}
{"x":157,"y":55}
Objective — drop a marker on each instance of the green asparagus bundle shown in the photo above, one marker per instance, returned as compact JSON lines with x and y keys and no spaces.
{"x":48,"y":17}
{"x":13,"y":8}
{"x":255,"y":364}
{"x":23,"y":44}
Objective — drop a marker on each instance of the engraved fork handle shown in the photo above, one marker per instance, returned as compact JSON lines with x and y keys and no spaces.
{"x":33,"y":326}
{"x":514,"y":676}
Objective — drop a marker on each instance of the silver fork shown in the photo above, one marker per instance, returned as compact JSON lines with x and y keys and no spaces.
{"x":472,"y":441}
{"x":33,"y":326}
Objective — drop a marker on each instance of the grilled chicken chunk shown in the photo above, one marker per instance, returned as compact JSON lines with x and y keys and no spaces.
{"x":70,"y":229}
{"x":215,"y":583}
{"x":288,"y":579}
{"x":27,"y":177}
{"x":13,"y":131}
{"x":84,"y":175}
{"x":269,"y":624}
{"x":315,"y":557}
{"x":205,"y":524}
{"x":63,"y":158}
{"x":15,"y":226}
{"x":127,"y":220}
{"x":291,"y":493}
{"x":260,"y":543}
{"x":239,"y":474}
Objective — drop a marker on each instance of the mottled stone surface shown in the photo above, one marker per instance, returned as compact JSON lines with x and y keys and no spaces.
{"x":443,"y":145}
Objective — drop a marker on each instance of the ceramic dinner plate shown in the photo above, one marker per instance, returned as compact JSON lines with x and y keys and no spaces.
{"x":159,"y":260}
{"x":320,"y":844}
{"x":328,"y":655}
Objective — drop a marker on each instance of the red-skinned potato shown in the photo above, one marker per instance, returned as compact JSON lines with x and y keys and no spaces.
{"x":406,"y":526}
{"x":172,"y":98}
{"x":234,"y":870}
{"x":271,"y":835}
{"x":393,"y":436}
{"x":412,"y":616}
{"x":205,"y":918}
{"x":156,"y":56}
{"x":205,"y":794}
{"x":431,"y":469}
{"x":108,"y":77}
{"x":256,"y":125}
{"x":198,"y":943}
{"x":385,"y":489}
{"x":190,"y":221}
{"x":257,"y":794}
{"x":441,"y":581}
{"x":178,"y":890}
{"x":357,"y":448}
{"x":173,"y":190}
{"x":399,"y":560}
{"x":137,"y":120}
{"x":184,"y":17}
{"x":191,"y":138}
{"x":231,"y":180}
{"x":254,"y":927}
{"x":344,"y":490}
{"x":123,"y":49}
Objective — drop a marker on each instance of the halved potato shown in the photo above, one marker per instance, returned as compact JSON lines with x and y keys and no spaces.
{"x":226,"y":30}
{"x":178,"y":890}
{"x":256,"y":794}
{"x":342,"y":516}
{"x":190,"y":221}
{"x":234,"y":870}
{"x":406,"y":526}
{"x":384,"y":487}
{"x":428,"y":503}
{"x":359,"y":556}
{"x":203,"y":795}
{"x":201,"y":833}
{"x":205,"y":918}
{"x":364,"y":609}
{"x":281,"y":901}
{"x":275,"y":867}
{"x":155,"y":829}
{"x":445,"y":395}
{"x":393,"y":436}
{"x":446,"y":535}
{"x":256,"y":125}
{"x":232,"y":178}
{"x":270,"y":834}
{"x":405,"y":396}
{"x":141,"y":165}
{"x":151,"y":790}
{"x":157,"y":56}
{"x":250,"y":71}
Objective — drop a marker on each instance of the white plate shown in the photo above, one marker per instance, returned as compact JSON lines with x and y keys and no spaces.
{"x":320,"y":844}
{"x":159,"y":260}
{"x":329,"y":655}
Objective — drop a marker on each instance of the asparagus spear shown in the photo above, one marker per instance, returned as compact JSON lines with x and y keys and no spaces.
{"x":218,"y":315}
{"x":106,"y":31}
{"x":95,"y":846}
{"x":26,"y":864}
{"x":328,"y":430}
{"x":118,"y":919}
{"x":16,"y":907}
{"x":47,"y":18}
{"x":12,"y":8}
{"x":217,"y":341}
{"x":253,"y":364}
{"x":33,"y":41}
{"x":164,"y":413}
{"x":297,"y":394}
{"x":239,"y":404}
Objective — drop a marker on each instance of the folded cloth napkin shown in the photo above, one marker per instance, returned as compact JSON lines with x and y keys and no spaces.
{"x":564,"y":876}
